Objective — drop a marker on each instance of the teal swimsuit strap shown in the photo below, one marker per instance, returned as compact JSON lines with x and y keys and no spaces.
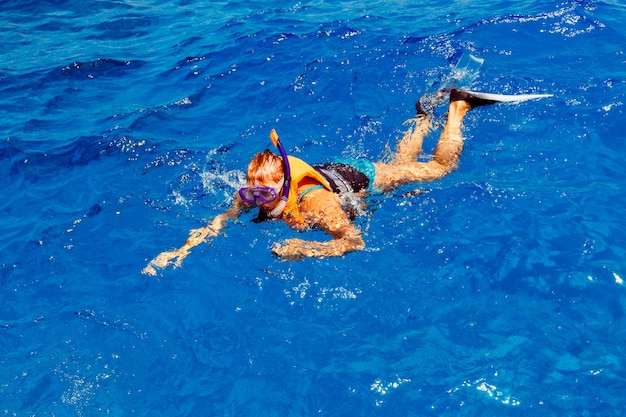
{"x":308,"y":190}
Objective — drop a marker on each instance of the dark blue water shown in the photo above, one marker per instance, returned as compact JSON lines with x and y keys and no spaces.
{"x":497,"y":291}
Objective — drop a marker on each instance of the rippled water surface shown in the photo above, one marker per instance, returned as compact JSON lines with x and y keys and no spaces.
{"x":496,"y":291}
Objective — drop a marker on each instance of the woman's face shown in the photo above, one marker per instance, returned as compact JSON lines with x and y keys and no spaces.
{"x":263,"y":193}
{"x":265,"y":181}
{"x":277,"y":186}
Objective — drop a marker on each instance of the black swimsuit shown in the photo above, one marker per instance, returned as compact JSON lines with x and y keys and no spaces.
{"x":343,"y":178}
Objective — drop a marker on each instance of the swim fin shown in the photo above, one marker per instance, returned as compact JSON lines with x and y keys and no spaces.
{"x":476,"y":98}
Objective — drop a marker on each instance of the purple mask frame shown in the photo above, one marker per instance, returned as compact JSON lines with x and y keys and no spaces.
{"x":260,"y":195}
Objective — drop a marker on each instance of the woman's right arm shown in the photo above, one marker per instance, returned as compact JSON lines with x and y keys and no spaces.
{"x":196,"y":237}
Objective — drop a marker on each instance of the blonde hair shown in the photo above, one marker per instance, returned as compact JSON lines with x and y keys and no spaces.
{"x":265,"y":168}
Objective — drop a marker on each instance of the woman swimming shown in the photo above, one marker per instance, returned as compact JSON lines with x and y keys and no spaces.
{"x":305,"y":196}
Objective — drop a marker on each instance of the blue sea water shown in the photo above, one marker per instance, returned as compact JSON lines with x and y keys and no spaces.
{"x":496,"y":291}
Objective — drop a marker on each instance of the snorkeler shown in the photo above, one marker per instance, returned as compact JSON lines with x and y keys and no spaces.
{"x":304,"y":196}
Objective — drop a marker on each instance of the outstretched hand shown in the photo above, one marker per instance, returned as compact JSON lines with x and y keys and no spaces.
{"x":175,"y":257}
{"x":196,"y":237}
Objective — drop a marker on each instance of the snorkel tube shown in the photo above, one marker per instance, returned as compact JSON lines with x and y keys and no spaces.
{"x":278,"y":210}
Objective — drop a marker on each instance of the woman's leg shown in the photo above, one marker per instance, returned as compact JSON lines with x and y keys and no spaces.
{"x":404,"y":171}
{"x":450,"y":144}
{"x":410,"y":146}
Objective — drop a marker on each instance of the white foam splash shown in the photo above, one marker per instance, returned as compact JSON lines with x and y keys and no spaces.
{"x":490,"y":391}
{"x":232,"y":179}
{"x":383,"y":388}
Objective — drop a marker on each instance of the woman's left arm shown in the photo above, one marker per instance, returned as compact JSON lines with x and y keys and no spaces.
{"x":321,"y":208}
